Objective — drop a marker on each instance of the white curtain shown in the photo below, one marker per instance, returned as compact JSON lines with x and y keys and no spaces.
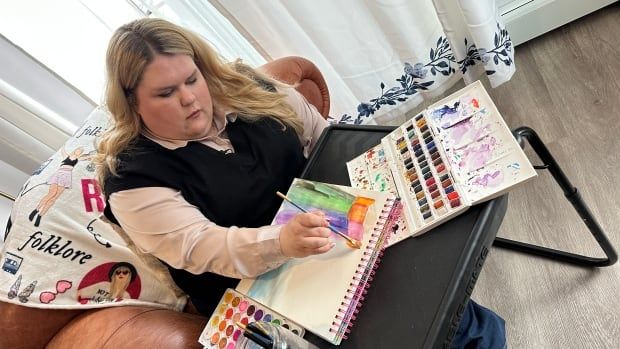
{"x":205,"y":20}
{"x":380,"y":57}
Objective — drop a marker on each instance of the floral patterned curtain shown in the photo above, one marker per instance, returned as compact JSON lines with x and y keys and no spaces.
{"x":381,"y":58}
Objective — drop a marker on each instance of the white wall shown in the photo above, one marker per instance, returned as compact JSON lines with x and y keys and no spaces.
{"x":10,"y":183}
{"x":32,"y":99}
{"x":26,"y":74}
{"x":527,"y":19}
{"x":25,"y":138}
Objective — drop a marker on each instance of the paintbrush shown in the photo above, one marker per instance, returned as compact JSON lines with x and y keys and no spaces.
{"x":256,"y":335}
{"x":350,"y":241}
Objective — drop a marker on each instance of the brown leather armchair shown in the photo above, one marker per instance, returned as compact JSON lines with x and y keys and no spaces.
{"x":132,"y":326}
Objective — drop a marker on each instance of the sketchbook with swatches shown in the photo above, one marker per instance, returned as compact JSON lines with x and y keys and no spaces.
{"x":323,"y":292}
{"x":457,"y":153}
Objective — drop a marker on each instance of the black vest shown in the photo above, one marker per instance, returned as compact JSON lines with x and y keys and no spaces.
{"x":229,"y":189}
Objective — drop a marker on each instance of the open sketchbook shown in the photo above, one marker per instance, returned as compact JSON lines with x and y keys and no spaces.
{"x":322,"y":292}
{"x":456,"y":153}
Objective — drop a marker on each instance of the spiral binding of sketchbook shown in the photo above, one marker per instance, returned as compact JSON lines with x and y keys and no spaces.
{"x":298,"y":288}
{"x":364,"y":274}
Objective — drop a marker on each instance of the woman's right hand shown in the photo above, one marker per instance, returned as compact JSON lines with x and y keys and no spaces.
{"x":306,"y":234}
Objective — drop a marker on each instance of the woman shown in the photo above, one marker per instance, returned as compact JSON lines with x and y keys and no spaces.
{"x":196,"y":153}
{"x":58,"y":183}
{"x":194,"y":157}
{"x":120,"y":276}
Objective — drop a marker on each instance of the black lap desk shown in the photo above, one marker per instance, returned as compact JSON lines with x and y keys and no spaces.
{"x":422,"y":283}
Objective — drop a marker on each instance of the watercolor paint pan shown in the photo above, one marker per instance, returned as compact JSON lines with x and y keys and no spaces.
{"x":221,"y":331}
{"x":421,"y":164}
{"x":459,"y":153}
{"x":427,"y":202}
{"x":433,"y":192}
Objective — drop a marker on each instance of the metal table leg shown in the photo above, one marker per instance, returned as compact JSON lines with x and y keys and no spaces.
{"x":525,"y":133}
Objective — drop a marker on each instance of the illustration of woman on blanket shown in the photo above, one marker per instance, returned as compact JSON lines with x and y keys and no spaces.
{"x":58,"y":182}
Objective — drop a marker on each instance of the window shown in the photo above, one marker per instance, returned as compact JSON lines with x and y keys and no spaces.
{"x":204,"y":19}
{"x":68,"y":36}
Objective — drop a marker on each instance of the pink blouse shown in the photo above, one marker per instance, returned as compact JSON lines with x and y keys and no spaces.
{"x":161,"y":222}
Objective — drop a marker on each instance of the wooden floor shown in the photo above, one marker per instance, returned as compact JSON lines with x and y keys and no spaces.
{"x":567,"y":88}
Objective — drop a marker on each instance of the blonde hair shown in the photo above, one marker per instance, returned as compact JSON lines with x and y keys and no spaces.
{"x":234,"y":86}
{"x":118,"y":288}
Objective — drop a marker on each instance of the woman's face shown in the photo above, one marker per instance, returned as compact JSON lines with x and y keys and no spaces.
{"x":173,"y":98}
{"x":77,"y":152}
{"x":122,"y":273}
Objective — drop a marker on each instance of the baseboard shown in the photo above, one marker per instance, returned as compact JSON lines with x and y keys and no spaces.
{"x":528,"y":19}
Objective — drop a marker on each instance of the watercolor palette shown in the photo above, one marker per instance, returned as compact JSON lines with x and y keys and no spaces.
{"x":457,"y":153}
{"x":221,"y":331}
{"x":372,"y":172}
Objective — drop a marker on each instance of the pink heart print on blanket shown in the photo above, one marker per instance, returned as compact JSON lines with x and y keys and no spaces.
{"x":61,"y":286}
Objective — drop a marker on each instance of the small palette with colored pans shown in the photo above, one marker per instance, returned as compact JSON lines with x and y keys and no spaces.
{"x":457,"y":153}
{"x":221,"y":331}
{"x":431,"y":193}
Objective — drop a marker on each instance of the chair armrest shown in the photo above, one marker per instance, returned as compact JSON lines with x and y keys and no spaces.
{"x":130,"y":327}
{"x":306,"y":78}
{"x":29,"y":328}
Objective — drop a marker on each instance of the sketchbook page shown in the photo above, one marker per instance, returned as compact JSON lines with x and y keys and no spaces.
{"x":311,"y":290}
{"x":484,"y":157}
{"x":371,"y":171}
